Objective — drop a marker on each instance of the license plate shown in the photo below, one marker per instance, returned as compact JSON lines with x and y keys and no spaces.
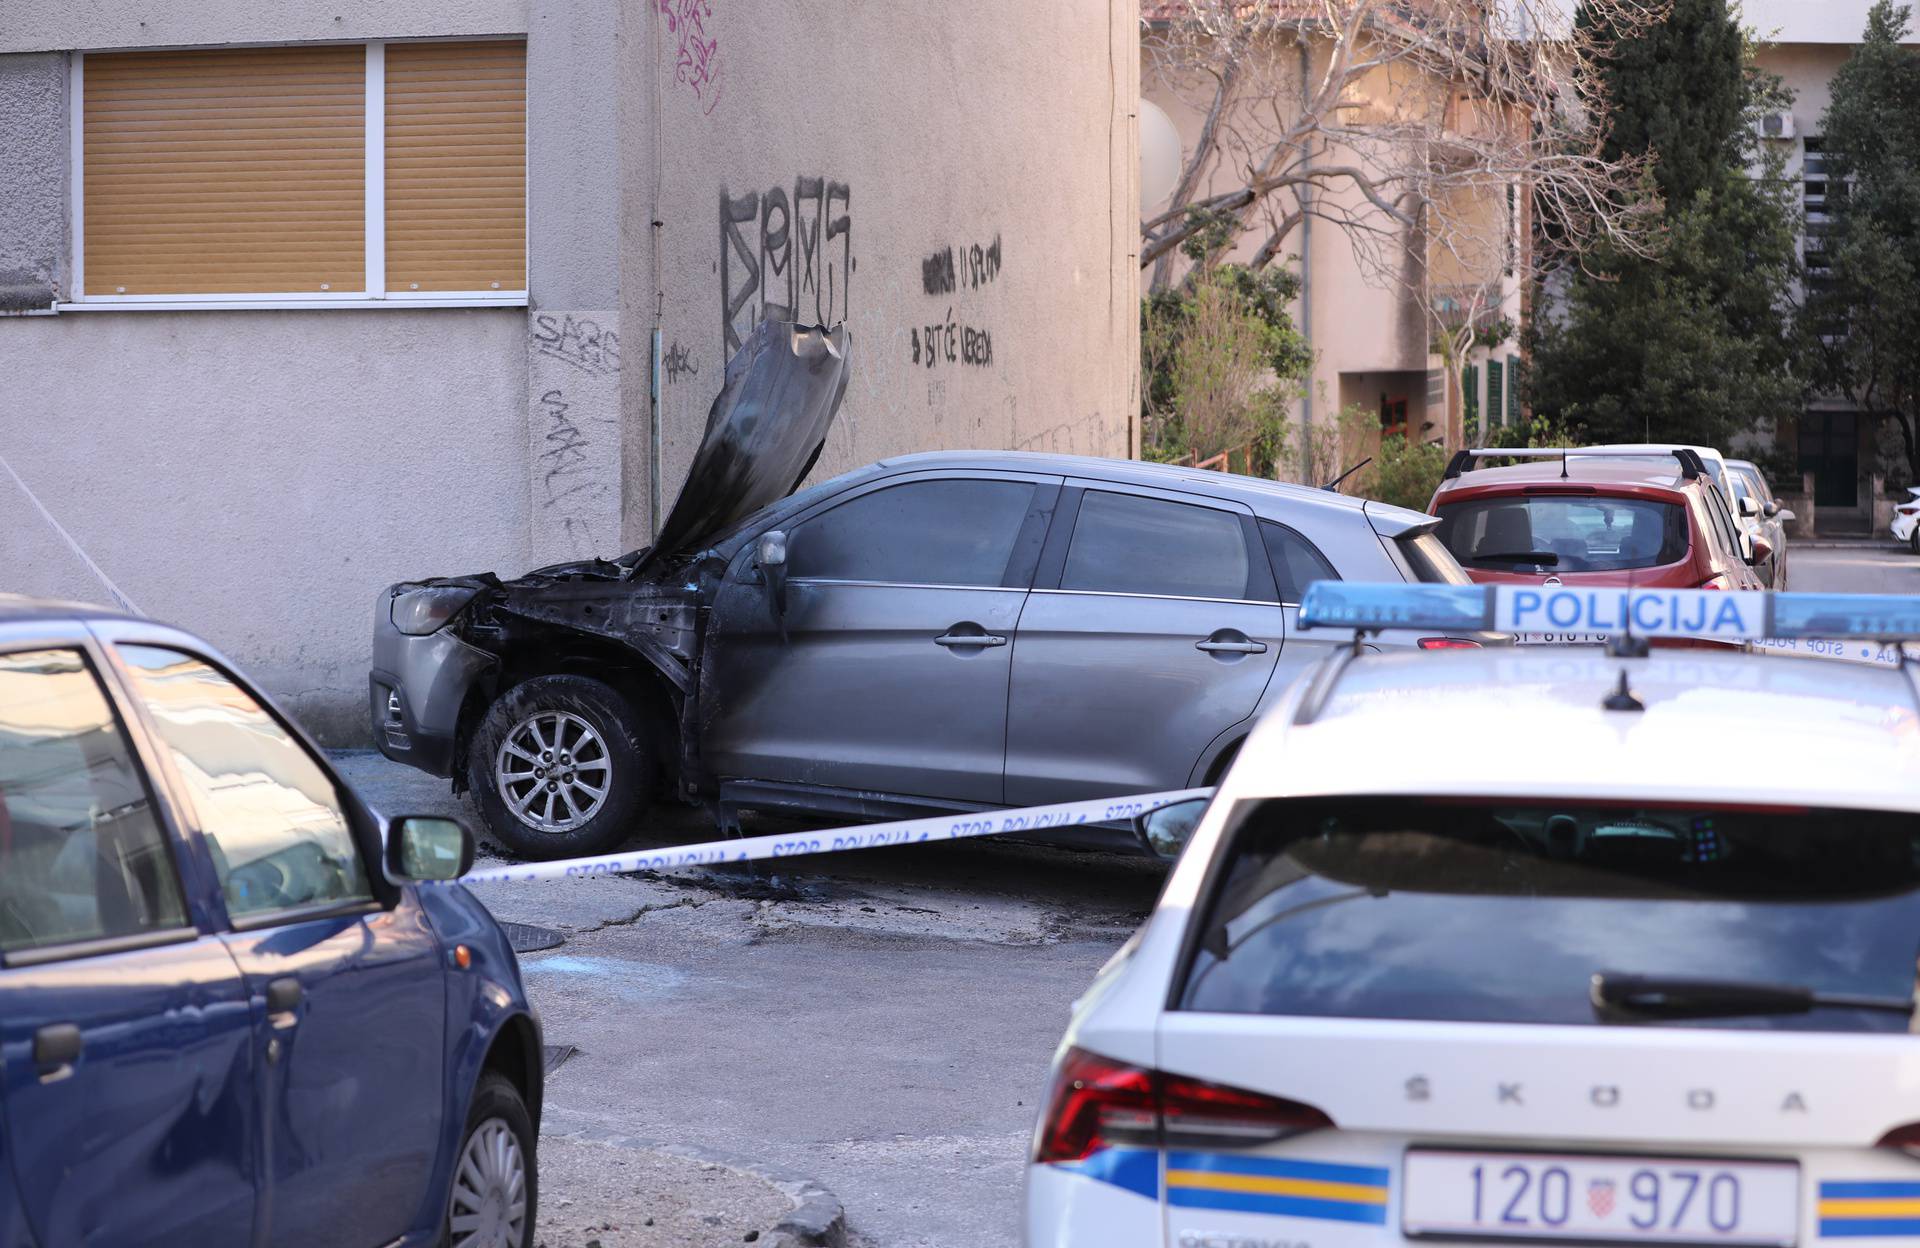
{"x":1560,"y":639}
{"x":1599,"y":1199}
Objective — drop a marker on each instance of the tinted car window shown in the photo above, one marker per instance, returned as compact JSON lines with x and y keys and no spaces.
{"x":1296,"y":562}
{"x":82,"y":856}
{"x":1723,"y":524}
{"x":1499,"y":911}
{"x":921,"y":533}
{"x":271,"y":817}
{"x":1126,"y":544}
{"x":1564,"y":533}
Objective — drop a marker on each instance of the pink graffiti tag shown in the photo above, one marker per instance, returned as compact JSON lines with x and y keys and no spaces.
{"x":697,"y":56}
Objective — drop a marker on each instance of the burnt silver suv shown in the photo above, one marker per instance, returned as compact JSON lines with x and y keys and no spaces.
{"x":939,"y":632}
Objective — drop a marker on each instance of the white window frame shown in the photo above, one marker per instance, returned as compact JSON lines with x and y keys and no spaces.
{"x":374,"y":294}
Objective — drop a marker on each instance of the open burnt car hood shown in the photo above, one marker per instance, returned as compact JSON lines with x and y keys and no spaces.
{"x":764,"y":431}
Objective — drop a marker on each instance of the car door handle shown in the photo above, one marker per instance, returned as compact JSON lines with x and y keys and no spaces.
{"x":56,"y":1047}
{"x":283,"y":998}
{"x":1213,"y":646}
{"x":970,"y":639}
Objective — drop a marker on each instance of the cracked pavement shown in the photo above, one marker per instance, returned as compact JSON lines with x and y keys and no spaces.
{"x":880,"y":1020}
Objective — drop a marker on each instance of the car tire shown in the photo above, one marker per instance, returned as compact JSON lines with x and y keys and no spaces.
{"x":1913,"y":540}
{"x":494,"y":1195}
{"x":546,"y":807}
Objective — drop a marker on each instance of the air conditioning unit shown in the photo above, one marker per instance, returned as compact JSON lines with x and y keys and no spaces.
{"x":1774,"y":125}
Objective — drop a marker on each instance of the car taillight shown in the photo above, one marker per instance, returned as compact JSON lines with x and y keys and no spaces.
{"x":1196,"y":1113}
{"x":1448,"y":643}
{"x":1907,"y":509}
{"x":1905,"y":1139}
{"x":1096,"y":1102}
{"x":1717,"y":582}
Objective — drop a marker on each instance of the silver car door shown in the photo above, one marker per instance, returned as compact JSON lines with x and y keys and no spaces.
{"x":890,"y":671}
{"x":1153,"y":627}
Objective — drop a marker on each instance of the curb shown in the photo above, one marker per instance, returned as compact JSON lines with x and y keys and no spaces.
{"x":817,"y":1219}
{"x":1845,"y":543}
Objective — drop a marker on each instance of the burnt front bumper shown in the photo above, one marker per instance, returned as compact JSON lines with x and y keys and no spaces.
{"x":415,"y":691}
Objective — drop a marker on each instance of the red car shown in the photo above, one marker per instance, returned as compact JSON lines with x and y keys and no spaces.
{"x":1564,"y":517}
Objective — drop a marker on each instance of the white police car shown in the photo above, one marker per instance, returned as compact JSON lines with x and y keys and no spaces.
{"x":1536,"y":945}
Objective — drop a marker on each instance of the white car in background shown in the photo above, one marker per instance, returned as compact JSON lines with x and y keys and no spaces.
{"x":1762,"y":516}
{"x":1906,"y":520}
{"x":1593,"y":972}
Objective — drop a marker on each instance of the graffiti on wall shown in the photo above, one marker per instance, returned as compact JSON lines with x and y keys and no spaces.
{"x":571,"y":487}
{"x":678,"y":363}
{"x":952,"y":343}
{"x":784,"y":257}
{"x":696,"y":63}
{"x":949,"y":339}
{"x":976,"y":265}
{"x":577,"y":341}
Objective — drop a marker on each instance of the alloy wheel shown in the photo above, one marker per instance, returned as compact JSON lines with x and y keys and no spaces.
{"x":553,"y":771}
{"x":488,"y":1207}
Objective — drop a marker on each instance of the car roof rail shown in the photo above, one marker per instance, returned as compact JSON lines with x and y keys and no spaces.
{"x":1463,"y":461}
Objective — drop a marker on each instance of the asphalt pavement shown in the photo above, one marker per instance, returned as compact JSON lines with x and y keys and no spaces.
{"x":1886,"y":568}
{"x":878,"y":1021}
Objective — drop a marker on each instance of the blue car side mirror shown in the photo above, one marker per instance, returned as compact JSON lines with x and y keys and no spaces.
{"x":428,"y":848}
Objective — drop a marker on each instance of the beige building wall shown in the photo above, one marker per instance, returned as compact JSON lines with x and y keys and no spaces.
{"x":1808,"y":44}
{"x":1364,"y":311}
{"x":958,"y":183}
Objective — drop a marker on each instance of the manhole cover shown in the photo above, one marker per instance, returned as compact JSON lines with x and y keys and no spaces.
{"x":554,"y":1056}
{"x":527,"y":938}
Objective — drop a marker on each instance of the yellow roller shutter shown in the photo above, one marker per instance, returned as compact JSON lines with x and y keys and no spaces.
{"x":456,"y":166}
{"x":225,"y":171}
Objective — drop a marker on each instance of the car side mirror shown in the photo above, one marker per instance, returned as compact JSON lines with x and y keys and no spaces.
{"x":1165,"y":830}
{"x":1783,"y":514}
{"x":1762,"y":551}
{"x":1749,"y":507}
{"x":770,"y":554}
{"x":428,"y":847}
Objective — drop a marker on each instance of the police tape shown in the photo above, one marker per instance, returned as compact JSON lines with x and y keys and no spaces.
{"x":834,"y":840}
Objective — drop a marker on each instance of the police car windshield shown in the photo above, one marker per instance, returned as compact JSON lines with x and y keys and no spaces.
{"x":1583,"y":533}
{"x":1495,"y":911}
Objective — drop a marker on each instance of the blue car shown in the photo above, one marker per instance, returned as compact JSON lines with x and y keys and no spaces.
{"x":230,"y":1013}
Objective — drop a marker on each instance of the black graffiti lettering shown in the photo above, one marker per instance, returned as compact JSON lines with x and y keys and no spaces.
{"x":976,"y":346}
{"x":776,"y":256}
{"x":578,"y":341}
{"x":809,"y":198}
{"x":799,"y":266}
{"x":952,"y":343}
{"x":678,"y":363}
{"x":983,"y":263}
{"x":735,"y":213}
{"x":936,"y":272}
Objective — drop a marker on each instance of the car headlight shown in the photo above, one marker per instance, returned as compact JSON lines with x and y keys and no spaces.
{"x":417,"y":612}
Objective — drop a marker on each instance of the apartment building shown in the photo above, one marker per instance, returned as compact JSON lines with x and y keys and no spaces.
{"x":303,"y":299}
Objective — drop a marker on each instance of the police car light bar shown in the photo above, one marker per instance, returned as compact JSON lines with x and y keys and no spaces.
{"x":1702,"y":613}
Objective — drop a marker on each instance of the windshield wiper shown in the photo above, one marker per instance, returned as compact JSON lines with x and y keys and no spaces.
{"x":1544,"y":557}
{"x":1659,"y":996}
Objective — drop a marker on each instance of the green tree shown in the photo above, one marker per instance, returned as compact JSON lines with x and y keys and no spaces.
{"x":1220,"y":360}
{"x":1694,"y":343}
{"x":1675,"y":90}
{"x":1862,"y":319}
